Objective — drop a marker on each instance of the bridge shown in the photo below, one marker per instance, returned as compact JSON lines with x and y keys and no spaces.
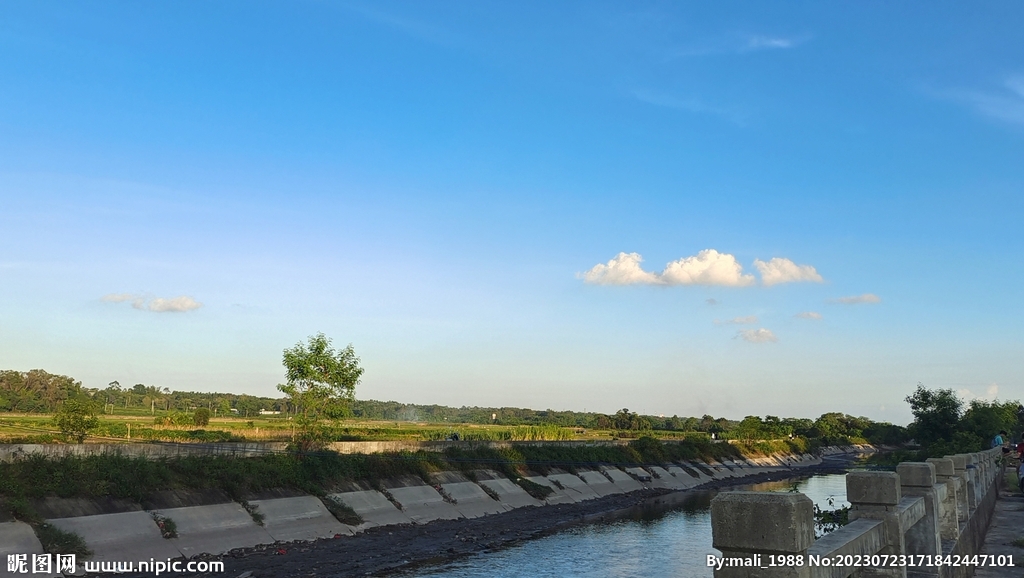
{"x":925,"y":519}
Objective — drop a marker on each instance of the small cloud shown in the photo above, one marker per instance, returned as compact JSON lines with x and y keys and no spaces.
{"x":1005,"y":104}
{"x":624,"y":269}
{"x":738,"y":44}
{"x":808,"y":315}
{"x":118,"y":297}
{"x":780,"y":270}
{"x":748,"y":320}
{"x":770,"y":42}
{"x":991,"y":393}
{"x":174,"y":304}
{"x":857,"y":299}
{"x":178,"y":304}
{"x":761,"y":335}
{"x":711,"y":302}
{"x":708,"y":267}
{"x":694,"y":105}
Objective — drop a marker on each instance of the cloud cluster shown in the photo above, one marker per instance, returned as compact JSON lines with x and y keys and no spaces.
{"x":857,"y":299}
{"x":761,"y":335}
{"x":708,"y":267}
{"x":808,"y":315}
{"x":178,"y":304}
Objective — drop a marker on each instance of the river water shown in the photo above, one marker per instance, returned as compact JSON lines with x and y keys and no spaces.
{"x":646,"y":543}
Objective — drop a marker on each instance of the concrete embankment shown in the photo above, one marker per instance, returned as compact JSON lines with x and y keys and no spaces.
{"x":212,"y":523}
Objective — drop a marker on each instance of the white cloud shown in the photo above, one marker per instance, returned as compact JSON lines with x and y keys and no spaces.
{"x":157,"y":304}
{"x":857,"y":299}
{"x":808,"y":315}
{"x":761,"y":335}
{"x":991,"y":393}
{"x":174,"y":304}
{"x":624,"y":269}
{"x":748,"y":320}
{"x":708,"y":267}
{"x":780,"y":270}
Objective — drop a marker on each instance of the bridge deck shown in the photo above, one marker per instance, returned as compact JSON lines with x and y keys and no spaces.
{"x":1007,"y":526}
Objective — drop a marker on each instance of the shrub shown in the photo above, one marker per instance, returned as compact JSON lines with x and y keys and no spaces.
{"x":201,"y":417}
{"x":75,"y":419}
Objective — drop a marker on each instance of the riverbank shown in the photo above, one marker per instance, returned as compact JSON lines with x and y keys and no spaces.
{"x":386,"y":550}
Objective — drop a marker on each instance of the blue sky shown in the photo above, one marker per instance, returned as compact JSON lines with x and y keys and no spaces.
{"x":188,"y":188}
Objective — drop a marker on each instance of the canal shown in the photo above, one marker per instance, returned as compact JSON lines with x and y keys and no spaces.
{"x":649,"y":542}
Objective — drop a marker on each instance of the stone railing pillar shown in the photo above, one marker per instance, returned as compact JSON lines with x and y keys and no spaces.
{"x":754,"y":525}
{"x":945,"y":475}
{"x":973,"y":481}
{"x":960,"y":474}
{"x":984,"y":471}
{"x":876,"y":496}
{"x":918,"y":479}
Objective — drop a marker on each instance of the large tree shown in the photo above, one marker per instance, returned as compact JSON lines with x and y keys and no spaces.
{"x":937,"y":414}
{"x":321,"y":382}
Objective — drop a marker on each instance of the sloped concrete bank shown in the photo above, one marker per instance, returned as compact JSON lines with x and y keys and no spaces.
{"x":404,"y":520}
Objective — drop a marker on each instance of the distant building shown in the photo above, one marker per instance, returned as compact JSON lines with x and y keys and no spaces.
{"x":269,"y":412}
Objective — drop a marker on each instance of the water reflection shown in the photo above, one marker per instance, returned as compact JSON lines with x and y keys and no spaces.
{"x":669,"y":536}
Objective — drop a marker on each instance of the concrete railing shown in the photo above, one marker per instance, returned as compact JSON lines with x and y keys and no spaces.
{"x":941,"y":506}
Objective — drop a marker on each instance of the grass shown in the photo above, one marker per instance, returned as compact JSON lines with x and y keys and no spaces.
{"x":121,"y":476}
{"x":342,"y":512}
{"x":57,"y":541}
{"x":1019,"y":543}
{"x":254,"y":512}
{"x":146,"y":426}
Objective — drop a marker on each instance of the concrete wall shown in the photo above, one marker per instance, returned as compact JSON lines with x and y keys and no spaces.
{"x":247,"y":449}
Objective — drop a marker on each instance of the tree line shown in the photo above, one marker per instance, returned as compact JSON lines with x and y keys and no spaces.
{"x":38,"y":391}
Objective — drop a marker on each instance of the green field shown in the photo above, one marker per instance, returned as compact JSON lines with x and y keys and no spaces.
{"x":137,"y":425}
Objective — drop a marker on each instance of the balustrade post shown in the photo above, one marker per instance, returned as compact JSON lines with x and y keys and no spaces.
{"x":985,"y":471}
{"x":945,"y":476}
{"x":876,"y":496}
{"x":918,"y":479}
{"x":752,"y":526}
{"x":973,"y":481}
{"x":960,"y":474}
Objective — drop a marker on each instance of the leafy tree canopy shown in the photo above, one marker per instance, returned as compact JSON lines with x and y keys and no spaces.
{"x":75,"y":418}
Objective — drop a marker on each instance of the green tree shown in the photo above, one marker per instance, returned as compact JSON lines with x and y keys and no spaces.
{"x":75,"y":418}
{"x":321,"y":384}
{"x":201,"y":417}
{"x":937,"y":414}
{"x":750,"y":429}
